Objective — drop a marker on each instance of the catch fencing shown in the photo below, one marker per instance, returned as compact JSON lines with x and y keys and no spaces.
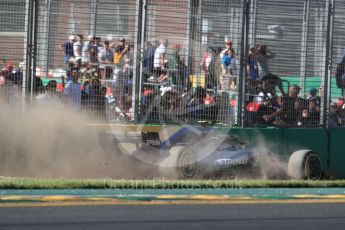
{"x":232,"y":62}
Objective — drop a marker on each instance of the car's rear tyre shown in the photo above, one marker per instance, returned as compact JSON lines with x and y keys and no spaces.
{"x":305,"y":164}
{"x":182,"y":163}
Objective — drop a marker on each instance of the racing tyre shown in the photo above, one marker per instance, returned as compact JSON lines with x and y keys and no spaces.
{"x":182,"y":163}
{"x":304,"y":164}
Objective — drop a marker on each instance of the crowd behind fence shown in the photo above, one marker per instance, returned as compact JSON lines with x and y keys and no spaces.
{"x":250,"y":63}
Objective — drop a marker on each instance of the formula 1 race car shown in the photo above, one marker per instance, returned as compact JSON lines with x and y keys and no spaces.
{"x":192,"y":152}
{"x":188,"y":152}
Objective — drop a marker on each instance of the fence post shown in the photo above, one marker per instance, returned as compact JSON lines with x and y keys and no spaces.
{"x":252,"y":23}
{"x":45,"y":38}
{"x":304,"y":45}
{"x":328,"y":64}
{"x":31,"y":53}
{"x":243,"y":61}
{"x":93,"y":18}
{"x":137,"y":78}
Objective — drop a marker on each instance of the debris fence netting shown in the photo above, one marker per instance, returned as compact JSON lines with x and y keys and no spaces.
{"x":234,"y":62}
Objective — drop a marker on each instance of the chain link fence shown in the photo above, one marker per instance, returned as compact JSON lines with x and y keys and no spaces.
{"x":234,"y":62}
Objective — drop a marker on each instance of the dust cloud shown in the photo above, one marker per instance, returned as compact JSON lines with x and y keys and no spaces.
{"x":55,"y":142}
{"x":271,"y":165}
{"x":47,"y":142}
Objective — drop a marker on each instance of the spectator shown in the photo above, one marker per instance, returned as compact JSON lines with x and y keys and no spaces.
{"x":7,"y":71}
{"x":252,"y":72}
{"x":252,"y":65}
{"x":263,"y":55}
{"x":160,"y":73}
{"x":39,"y":87}
{"x":170,"y":102}
{"x":176,"y":66}
{"x":148,"y":61}
{"x":270,"y":81}
{"x":12,"y":84}
{"x":127,"y":69}
{"x":77,"y":48}
{"x":304,"y":119}
{"x":49,"y":97}
{"x":85,"y":94}
{"x":233,"y":70}
{"x":268,"y":106}
{"x":94,"y":50}
{"x":72,"y":91}
{"x":67,"y":48}
{"x":208,"y":68}
{"x":197,"y":97}
{"x":287,"y":114}
{"x":119,"y":89}
{"x":336,"y":116}
{"x":105,"y":58}
{"x":121,"y":50}
{"x":127,"y":83}
{"x":98,"y":44}
{"x":340,"y":75}
{"x":86,"y":50}
{"x":313,"y":96}
{"x":96,"y":96}
{"x":314,"y":112}
{"x":225,"y":57}
{"x":12,"y":75}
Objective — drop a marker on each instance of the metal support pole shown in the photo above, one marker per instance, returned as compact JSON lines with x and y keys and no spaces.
{"x":46,"y":37}
{"x":252,"y":23}
{"x":93,"y":18}
{"x":34,"y":47}
{"x":26,"y":51}
{"x":195,"y":12}
{"x":243,"y":61}
{"x":189,"y":31}
{"x":199,"y":21}
{"x":304,"y":45}
{"x":328,"y":64}
{"x":29,"y":47}
{"x":137,"y":78}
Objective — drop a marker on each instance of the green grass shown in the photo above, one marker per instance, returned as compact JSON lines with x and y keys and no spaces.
{"x":29,"y":183}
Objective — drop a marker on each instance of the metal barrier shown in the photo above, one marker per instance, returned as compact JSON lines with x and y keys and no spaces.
{"x":236,"y":62}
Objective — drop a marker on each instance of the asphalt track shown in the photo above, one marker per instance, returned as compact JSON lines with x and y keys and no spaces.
{"x":275,"y":208}
{"x":176,"y":216}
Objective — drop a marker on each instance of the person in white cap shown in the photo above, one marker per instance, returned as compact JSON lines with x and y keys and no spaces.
{"x":67,"y":48}
{"x":85,"y":51}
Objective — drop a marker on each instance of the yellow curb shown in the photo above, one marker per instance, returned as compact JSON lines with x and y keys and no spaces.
{"x":337,"y":196}
{"x":207,"y":197}
{"x":183,"y":202}
{"x":320,"y":196}
{"x":18,"y":198}
{"x":60,"y":198}
{"x":170,"y":196}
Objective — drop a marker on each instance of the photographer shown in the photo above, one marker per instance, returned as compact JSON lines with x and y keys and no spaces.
{"x":121,"y":50}
{"x":270,"y":81}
